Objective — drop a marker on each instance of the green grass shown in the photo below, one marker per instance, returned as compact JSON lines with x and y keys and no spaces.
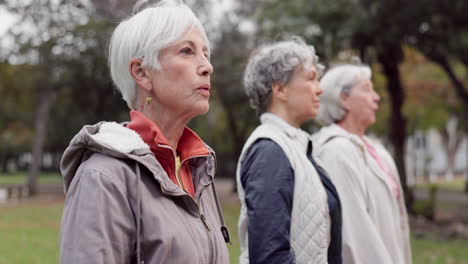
{"x":20,"y":178}
{"x":456,"y":185}
{"x":231,"y":214}
{"x":432,"y":250}
{"x":29,"y":234}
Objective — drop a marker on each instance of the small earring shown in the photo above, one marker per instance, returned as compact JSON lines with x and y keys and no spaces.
{"x":148,"y":100}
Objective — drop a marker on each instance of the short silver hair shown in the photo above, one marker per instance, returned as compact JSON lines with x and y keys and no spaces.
{"x":275,"y":63}
{"x":143,"y":35}
{"x":338,"y":80}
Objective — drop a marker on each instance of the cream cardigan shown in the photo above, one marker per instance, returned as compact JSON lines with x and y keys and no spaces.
{"x":375,"y":223}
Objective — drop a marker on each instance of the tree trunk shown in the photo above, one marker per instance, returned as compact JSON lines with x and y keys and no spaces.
{"x":459,"y":87}
{"x":451,"y":141}
{"x":3,"y":162}
{"x":46,"y":100}
{"x":390,"y":58}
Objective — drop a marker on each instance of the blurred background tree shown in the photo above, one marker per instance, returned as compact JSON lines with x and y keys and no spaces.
{"x":55,"y":79}
{"x":378,"y":32}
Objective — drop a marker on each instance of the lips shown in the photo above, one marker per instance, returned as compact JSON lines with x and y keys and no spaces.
{"x":204,"y":89}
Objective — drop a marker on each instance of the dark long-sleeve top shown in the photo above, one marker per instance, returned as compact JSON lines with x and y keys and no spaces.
{"x":268,"y":181}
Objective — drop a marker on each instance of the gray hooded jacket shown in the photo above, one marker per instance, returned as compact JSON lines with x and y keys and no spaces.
{"x":121,"y":206}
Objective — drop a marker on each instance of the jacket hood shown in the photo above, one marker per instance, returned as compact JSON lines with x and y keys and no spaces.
{"x":109,"y":138}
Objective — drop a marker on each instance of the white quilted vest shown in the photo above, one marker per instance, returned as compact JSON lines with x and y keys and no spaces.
{"x":310,"y":220}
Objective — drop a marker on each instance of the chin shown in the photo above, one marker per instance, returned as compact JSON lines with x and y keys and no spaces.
{"x":311,"y":116}
{"x":370,"y":122}
{"x":203,"y":109}
{"x":314,"y":115}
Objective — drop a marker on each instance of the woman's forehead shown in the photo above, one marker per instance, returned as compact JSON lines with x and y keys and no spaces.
{"x":194,"y":38}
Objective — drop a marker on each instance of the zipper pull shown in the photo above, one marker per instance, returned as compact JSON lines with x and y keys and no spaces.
{"x":226,"y":236}
{"x":202,"y":217}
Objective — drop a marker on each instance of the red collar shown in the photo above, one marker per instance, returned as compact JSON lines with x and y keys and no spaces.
{"x":189,"y":145}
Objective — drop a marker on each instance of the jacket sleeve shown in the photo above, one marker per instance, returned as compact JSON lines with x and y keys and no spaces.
{"x":268,"y":180}
{"x":97,"y":223}
{"x":362,"y":244}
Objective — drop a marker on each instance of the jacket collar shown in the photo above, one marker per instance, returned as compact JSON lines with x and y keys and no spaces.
{"x":334,"y":130}
{"x":116,"y":140}
{"x":189,"y":145}
{"x":293,"y":133}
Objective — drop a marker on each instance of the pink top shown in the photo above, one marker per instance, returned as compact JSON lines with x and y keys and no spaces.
{"x":385,"y":169}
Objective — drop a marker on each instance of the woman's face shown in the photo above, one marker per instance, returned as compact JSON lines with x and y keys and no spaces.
{"x":303,"y":92}
{"x":362,"y":103}
{"x":183,"y":86}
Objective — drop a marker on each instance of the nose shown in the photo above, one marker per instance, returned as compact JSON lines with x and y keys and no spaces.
{"x":376,"y":97}
{"x":319,"y":89}
{"x":205,"y":69}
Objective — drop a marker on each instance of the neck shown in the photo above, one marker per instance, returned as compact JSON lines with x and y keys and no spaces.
{"x":352,"y":126}
{"x":284,"y":114}
{"x":170,"y":124}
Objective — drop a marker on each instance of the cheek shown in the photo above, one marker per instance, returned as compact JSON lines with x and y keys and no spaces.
{"x":174,"y":71}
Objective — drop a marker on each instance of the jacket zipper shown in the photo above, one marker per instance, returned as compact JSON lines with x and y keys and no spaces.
{"x":202,"y":217}
{"x":200,"y":214}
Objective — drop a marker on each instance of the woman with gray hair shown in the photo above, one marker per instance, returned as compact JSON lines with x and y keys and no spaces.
{"x":375,"y":222}
{"x":143,"y":191}
{"x":290,"y":210}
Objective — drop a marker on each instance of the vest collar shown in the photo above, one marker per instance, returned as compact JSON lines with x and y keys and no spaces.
{"x":296,"y":134}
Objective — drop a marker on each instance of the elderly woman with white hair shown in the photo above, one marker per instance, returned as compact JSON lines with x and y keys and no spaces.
{"x":375,"y":222}
{"x":290,"y":210}
{"x":143,"y":191}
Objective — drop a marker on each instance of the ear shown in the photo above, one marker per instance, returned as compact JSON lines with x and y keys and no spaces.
{"x":139,"y":74}
{"x":278,"y":91}
{"x":344,"y":101}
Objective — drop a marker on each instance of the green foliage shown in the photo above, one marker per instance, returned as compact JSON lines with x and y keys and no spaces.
{"x":320,"y":22}
{"x":17,"y":105}
{"x":430,"y":100}
{"x":65,"y":62}
{"x":424,"y":208}
{"x":427,"y":208}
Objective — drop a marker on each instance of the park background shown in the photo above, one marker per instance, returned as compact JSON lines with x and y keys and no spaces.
{"x":54,"y":79}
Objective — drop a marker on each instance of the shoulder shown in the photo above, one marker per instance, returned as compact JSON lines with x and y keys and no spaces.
{"x":106,"y":164}
{"x":266,"y":149}
{"x":107,"y":168}
{"x":378,"y":145}
{"x":339,"y":146}
{"x":264,"y":155}
{"x":266,"y":166}
{"x":265,"y":144}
